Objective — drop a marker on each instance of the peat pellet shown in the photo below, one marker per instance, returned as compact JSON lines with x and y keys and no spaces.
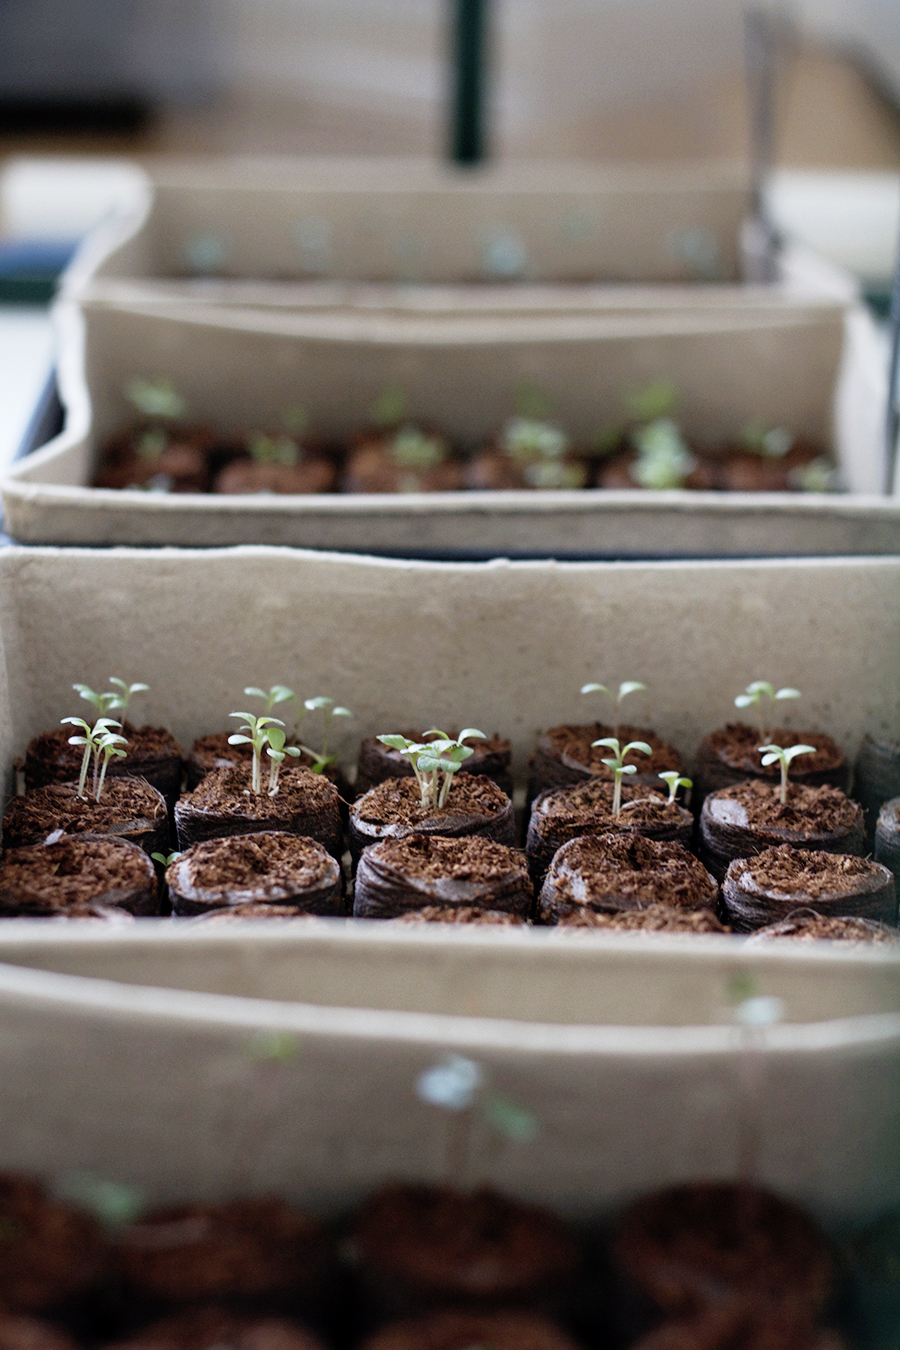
{"x":887,"y":837}
{"x":742,"y":1326}
{"x":52,"y":1253}
{"x":425,"y":1245}
{"x":458,"y":914}
{"x":743,"y":820}
{"x":876,"y":778}
{"x":611,"y":872}
{"x":305,"y":803}
{"x":459,"y":1330}
{"x":214,"y":752}
{"x":399,"y":875}
{"x":239,"y":1249}
{"x":561,"y":814}
{"x":763,"y":889}
{"x":45,"y":880}
{"x":151,"y":753}
{"x":129,"y":808}
{"x":805,"y":925}
{"x":205,"y":1327}
{"x":271,"y":867}
{"x":659,"y":918}
{"x":475,"y":805}
{"x":731,"y":755}
{"x":491,"y":757}
{"x":565,"y":756}
{"x":244,"y":912}
{"x":27,"y":1333}
{"x":702,"y":1244}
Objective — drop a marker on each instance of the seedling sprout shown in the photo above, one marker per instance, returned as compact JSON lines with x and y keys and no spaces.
{"x":279,"y":693}
{"x":753,"y":696}
{"x":322,"y":758}
{"x":673,"y":781}
{"x":459,"y":1086}
{"x":100,"y":744}
{"x":434,"y":763}
{"x":155,"y":398}
{"x":259,"y":737}
{"x":773,"y":754}
{"x":618,"y":765}
{"x":166,"y":859}
{"x":276,"y":751}
{"x":625,"y":688}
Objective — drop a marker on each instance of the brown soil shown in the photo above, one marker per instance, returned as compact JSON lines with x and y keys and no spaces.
{"x":785,"y":872}
{"x":741,"y":1327}
{"x":805,"y":925}
{"x":222,"y":804}
{"x":457,"y":914}
{"x":214,"y":752}
{"x":471,"y":1331}
{"x":245,"y":475}
{"x":250,"y":910}
{"x":377,"y":762}
{"x":474,"y":1246}
{"x":809,"y":810}
{"x":398,"y":875}
{"x":241,"y":1248}
{"x":80,"y":870}
{"x":183,"y":461}
{"x":397,"y":802}
{"x":203,"y":1328}
{"x":127,"y":807}
{"x":370,"y":467}
{"x":493,"y":470}
{"x":624,"y":871}
{"x":698,"y":1244}
{"x":271,"y":866}
{"x":27,"y":1333}
{"x":737,"y":744}
{"x":50,"y":759}
{"x":574,"y":743}
{"x":49,"y":1252}
{"x":653,"y":919}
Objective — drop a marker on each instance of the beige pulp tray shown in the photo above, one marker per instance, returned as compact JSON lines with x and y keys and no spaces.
{"x":624,"y":1047}
{"x":816,"y":367}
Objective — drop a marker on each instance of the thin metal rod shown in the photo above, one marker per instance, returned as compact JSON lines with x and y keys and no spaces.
{"x":468,"y":141}
{"x":892,"y":428}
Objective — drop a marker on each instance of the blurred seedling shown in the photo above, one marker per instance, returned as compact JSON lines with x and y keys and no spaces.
{"x":753,"y":697}
{"x":114,"y":1204}
{"x":625,"y":688}
{"x":673,"y":782}
{"x":530,"y":435}
{"x":158,"y":399}
{"x":435,"y":762}
{"x":769,"y":442}
{"x":643,"y":407}
{"x":263,"y":733}
{"x":459,"y":1086}
{"x":664,"y":459}
{"x":773,"y":754}
{"x":281,"y":450}
{"x":322,"y":759}
{"x":101,"y":744}
{"x":618,"y":765}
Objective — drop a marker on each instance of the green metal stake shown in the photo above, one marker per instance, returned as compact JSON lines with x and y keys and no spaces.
{"x":469,"y":38}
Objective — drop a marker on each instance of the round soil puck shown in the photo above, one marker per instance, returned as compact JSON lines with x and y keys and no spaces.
{"x":475,"y":806}
{"x":805,"y":925}
{"x":876,"y":778}
{"x":458,"y":914}
{"x":741,"y":821}
{"x":700,"y":1244}
{"x":887,"y":837}
{"x":611,"y":872}
{"x":151,"y":753}
{"x":453,"y":1330}
{"x":246,"y":912}
{"x":763,"y":889}
{"x":27,"y":1333}
{"x":271,"y":867}
{"x":654,"y":919}
{"x":731,"y":755}
{"x":50,"y":1252}
{"x":214,"y":752}
{"x":203,"y":1328}
{"x":377,"y":762}
{"x":129,"y":808}
{"x":565,"y":756}
{"x":74,"y":871}
{"x":422,"y":870}
{"x":305,"y":803}
{"x":562,"y":814}
{"x":742,"y":1326}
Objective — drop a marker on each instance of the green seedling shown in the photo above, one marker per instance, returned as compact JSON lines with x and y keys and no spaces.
{"x":166,"y":859}
{"x":100,"y":743}
{"x":664,"y":460}
{"x":625,"y":688}
{"x":773,"y":754}
{"x":651,"y":401}
{"x":255,"y":733}
{"x":276,"y":750}
{"x":458,"y":1086}
{"x":412,"y":448}
{"x":279,"y":693}
{"x":281,"y":450}
{"x":764,"y":440}
{"x":618,"y":765}
{"x":819,"y":475}
{"x":329,"y":709}
{"x":673,"y":781}
{"x":753,"y":697}
{"x":155,"y":398}
{"x":435,"y":762}
{"x":114,"y":700}
{"x":525,"y":438}
{"x":644,"y":407}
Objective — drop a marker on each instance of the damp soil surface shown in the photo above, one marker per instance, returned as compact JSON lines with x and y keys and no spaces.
{"x":245,"y":910}
{"x":50,"y":759}
{"x":226,"y":792}
{"x":785,"y":873}
{"x":127,"y":806}
{"x":46,"y":879}
{"x":398,"y":875}
{"x":804,"y":925}
{"x":205,"y":1328}
{"x":240,"y":1248}
{"x":808,"y":810}
{"x":741,"y":1327}
{"x":214,"y":752}
{"x":737,"y":745}
{"x":397,"y":801}
{"x":574,"y":743}
{"x":701,"y":1243}
{"x":49,"y":1251}
{"x":455,"y":1330}
{"x":458,"y":914}
{"x":476,"y":1246}
{"x":18,"y":1332}
{"x":273,"y":862}
{"x":625,"y":871}
{"x":657,"y":918}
